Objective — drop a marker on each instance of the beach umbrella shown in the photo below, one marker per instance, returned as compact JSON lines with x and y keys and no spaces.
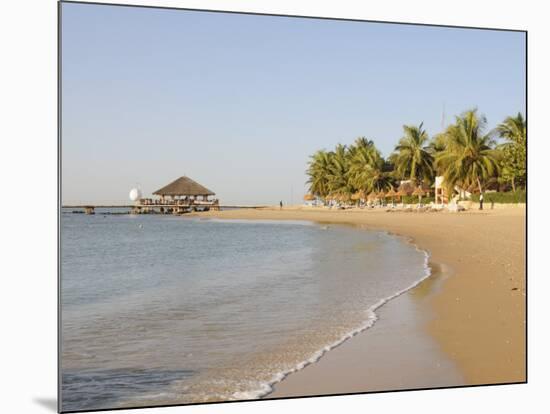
{"x":418,"y":192}
{"x":356,"y":196}
{"x":309,"y":197}
{"x":344,"y":197}
{"x":361,"y":196}
{"x":335,"y":198}
{"x":392,"y":193}
{"x":372,"y":196}
{"x":401,"y":193}
{"x":382,"y":196}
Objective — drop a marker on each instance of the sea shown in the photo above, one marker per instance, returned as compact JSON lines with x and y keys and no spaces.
{"x":162,"y":310}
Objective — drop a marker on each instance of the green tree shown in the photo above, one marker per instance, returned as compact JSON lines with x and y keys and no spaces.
{"x":379,"y":177}
{"x":364,"y":159}
{"x":413,"y":158}
{"x":437,"y":145}
{"x":318,"y":172}
{"x":338,"y":177}
{"x":469,"y":158}
{"x":514,"y":150}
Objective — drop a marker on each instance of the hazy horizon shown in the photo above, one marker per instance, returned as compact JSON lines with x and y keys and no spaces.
{"x":239,"y":102}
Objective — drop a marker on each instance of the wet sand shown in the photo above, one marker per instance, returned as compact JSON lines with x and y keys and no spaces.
{"x":464,"y":326}
{"x":396,"y":353}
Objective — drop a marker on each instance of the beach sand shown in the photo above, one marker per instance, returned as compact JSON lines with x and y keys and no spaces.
{"x":463,"y":326}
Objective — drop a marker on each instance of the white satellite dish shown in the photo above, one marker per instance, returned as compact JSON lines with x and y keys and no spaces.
{"x":135,"y":194}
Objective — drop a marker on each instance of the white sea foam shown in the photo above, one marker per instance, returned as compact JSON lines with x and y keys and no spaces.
{"x":266,"y":388}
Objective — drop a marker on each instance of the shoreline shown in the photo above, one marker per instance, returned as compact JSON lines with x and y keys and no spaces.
{"x":370,"y":321}
{"x":478,"y":319}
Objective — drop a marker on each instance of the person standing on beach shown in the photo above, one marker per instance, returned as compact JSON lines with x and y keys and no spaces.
{"x":481,"y":201}
{"x":281,"y":204}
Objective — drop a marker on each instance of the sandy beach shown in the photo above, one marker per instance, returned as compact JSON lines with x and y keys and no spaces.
{"x":463,"y":326}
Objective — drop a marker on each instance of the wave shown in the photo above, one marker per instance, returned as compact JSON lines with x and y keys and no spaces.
{"x":267,"y":388}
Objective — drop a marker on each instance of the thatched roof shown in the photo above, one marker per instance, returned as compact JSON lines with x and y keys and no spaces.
{"x":184,"y":186}
{"x":418,"y":192}
{"x":358,"y":195}
{"x":309,"y":197}
{"x":406,"y":188}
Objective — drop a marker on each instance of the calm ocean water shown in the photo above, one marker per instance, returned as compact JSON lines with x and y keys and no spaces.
{"x":165,"y":310}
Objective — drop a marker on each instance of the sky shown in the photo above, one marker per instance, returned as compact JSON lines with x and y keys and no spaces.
{"x":239,"y":102}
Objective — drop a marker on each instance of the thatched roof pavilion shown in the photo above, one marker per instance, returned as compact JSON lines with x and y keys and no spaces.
{"x":184,"y":187}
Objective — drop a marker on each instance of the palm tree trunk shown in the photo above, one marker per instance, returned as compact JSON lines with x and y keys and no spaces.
{"x":513,"y":185}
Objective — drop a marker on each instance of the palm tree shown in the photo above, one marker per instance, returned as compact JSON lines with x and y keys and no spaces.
{"x":468,"y":158}
{"x":338,"y":182}
{"x":361,"y":144}
{"x":363,"y":158}
{"x":514,"y":131}
{"x":413,"y":157}
{"x":437,"y":144}
{"x":318,"y":172}
{"x":379,"y":178}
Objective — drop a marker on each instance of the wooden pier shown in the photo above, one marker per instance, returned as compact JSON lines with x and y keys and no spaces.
{"x":156,"y":208}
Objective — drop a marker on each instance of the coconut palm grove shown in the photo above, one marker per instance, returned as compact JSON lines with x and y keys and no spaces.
{"x":466,"y":154}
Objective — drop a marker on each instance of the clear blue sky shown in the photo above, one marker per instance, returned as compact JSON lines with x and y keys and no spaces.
{"x":239,"y":102}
